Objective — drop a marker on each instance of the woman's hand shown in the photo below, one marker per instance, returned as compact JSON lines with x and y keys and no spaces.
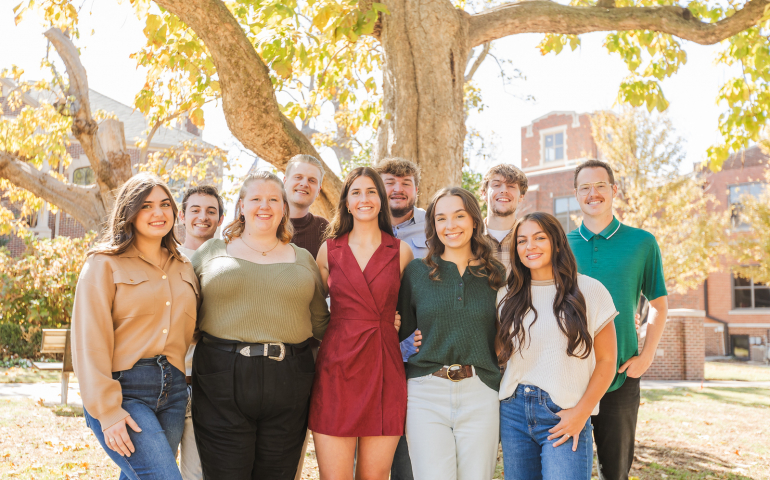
{"x":417,"y":340}
{"x":397,"y":323}
{"x":117,"y":439}
{"x":572,"y":423}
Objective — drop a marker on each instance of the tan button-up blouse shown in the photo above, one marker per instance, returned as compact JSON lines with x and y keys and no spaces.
{"x":125,"y":309}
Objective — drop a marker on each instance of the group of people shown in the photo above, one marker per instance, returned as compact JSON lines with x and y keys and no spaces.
{"x":449,"y":331}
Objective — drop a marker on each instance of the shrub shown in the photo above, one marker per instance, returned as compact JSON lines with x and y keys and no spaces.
{"x":37,"y":290}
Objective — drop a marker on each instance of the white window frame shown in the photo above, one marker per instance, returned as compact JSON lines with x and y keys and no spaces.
{"x":752,"y":288}
{"x":740,"y":226}
{"x":552,"y":131}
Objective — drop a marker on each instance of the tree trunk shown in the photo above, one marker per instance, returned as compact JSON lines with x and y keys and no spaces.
{"x":426,"y":45}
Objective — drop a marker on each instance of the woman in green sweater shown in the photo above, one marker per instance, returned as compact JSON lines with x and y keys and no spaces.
{"x":452,"y":420}
{"x":252,"y":373}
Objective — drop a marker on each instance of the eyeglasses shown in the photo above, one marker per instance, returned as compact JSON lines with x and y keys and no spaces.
{"x":602,"y":188}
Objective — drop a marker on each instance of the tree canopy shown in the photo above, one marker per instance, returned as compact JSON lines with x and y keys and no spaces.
{"x":398,"y":73}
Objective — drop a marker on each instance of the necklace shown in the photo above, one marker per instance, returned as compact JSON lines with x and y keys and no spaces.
{"x":264,"y":254}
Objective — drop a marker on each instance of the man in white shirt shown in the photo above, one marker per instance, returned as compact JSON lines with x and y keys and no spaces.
{"x":201,"y":214}
{"x":503,"y":187}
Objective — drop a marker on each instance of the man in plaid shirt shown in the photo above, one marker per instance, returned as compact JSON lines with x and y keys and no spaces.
{"x":502,"y":189}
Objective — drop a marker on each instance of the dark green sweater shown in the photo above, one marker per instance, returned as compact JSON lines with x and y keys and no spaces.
{"x":457,"y":317}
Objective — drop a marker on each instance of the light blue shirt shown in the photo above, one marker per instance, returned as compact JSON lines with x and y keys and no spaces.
{"x":412,"y":232}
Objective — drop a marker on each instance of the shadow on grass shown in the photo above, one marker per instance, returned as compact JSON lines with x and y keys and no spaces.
{"x":652,"y":461}
{"x":66,"y":410}
{"x":719,"y":394}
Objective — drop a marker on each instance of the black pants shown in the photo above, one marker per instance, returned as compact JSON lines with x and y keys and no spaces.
{"x":402,"y":464}
{"x":615,"y":430}
{"x":250,"y":413}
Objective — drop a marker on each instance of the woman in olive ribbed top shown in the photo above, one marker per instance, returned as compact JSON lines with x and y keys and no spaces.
{"x":255,"y":303}
{"x":253,"y":369}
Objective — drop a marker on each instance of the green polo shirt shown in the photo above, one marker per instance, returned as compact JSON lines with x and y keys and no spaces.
{"x":627,"y":261}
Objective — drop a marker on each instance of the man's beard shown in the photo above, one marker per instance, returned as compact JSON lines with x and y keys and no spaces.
{"x":503,"y":213}
{"x":402,"y":212}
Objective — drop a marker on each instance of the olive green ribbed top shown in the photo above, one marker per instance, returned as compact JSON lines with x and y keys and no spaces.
{"x":253,"y":303}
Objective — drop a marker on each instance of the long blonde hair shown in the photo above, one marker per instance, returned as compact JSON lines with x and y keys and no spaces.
{"x":120,"y":232}
{"x":236,"y":227}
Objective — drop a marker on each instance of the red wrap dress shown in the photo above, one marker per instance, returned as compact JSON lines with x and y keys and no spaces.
{"x":360,"y":384}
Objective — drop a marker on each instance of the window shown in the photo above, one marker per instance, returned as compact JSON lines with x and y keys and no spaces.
{"x":83,"y":176}
{"x":554,"y":147}
{"x":750,"y":294}
{"x":564,"y":209}
{"x":755,"y":189}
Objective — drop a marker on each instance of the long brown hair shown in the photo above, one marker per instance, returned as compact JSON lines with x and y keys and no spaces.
{"x":343,"y":219}
{"x":120,"y":232}
{"x":480,"y":246}
{"x":237,"y":226}
{"x":569,"y":305}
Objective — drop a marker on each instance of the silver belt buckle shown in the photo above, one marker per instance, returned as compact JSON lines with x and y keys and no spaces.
{"x":279,"y":357}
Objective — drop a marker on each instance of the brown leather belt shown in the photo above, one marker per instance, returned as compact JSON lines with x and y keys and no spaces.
{"x":455,"y":372}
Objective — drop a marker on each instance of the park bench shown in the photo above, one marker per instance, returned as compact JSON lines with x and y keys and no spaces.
{"x":57,"y":340}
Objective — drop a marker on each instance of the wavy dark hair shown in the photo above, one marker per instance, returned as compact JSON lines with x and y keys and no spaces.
{"x":120,"y":232}
{"x":480,"y":246}
{"x":569,"y":305}
{"x":343,"y":219}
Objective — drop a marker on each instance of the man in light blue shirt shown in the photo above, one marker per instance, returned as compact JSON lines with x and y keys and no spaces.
{"x":402,"y":178}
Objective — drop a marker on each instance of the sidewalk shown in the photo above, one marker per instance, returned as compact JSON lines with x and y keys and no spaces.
{"x":662,"y":384}
{"x":49,"y":392}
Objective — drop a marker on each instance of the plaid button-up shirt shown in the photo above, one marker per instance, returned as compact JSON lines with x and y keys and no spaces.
{"x":502,"y":250}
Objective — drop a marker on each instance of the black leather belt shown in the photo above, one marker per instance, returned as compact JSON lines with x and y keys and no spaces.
{"x":273,"y":351}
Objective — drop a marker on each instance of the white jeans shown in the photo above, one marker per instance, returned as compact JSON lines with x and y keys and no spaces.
{"x":189,"y":461}
{"x":452,"y":428}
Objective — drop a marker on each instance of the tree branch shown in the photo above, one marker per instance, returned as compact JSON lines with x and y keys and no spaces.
{"x":248,"y":98}
{"x":539,"y":16}
{"x":110,"y":161}
{"x":80,"y":202}
{"x":479,"y":60}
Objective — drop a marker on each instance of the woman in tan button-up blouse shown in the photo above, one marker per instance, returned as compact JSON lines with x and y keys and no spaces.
{"x":133,"y":319}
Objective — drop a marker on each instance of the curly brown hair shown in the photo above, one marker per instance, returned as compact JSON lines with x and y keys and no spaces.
{"x":399,"y":167}
{"x":510,"y":173}
{"x":480,"y":246}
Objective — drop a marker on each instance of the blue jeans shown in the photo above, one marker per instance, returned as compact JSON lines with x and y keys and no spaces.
{"x":525,"y":418}
{"x":155,"y":395}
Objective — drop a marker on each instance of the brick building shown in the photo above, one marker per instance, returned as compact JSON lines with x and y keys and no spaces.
{"x":737,"y":310}
{"x":551,"y":147}
{"x":735,"y":313}
{"x":135,"y":125}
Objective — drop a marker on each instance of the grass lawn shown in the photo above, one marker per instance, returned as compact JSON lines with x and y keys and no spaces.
{"x":737,"y":370}
{"x":712,"y":433}
{"x":683,"y":434}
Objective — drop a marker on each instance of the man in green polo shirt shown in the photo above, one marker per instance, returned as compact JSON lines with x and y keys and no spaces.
{"x":627,"y":261}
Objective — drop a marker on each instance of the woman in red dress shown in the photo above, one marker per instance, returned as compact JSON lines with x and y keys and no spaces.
{"x":360,"y":387}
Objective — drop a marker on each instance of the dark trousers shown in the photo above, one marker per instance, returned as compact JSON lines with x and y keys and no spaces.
{"x":402,"y":464}
{"x":250,"y":413}
{"x":615,"y":430}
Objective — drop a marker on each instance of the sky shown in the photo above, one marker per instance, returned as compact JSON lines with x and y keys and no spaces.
{"x":585,"y":80}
